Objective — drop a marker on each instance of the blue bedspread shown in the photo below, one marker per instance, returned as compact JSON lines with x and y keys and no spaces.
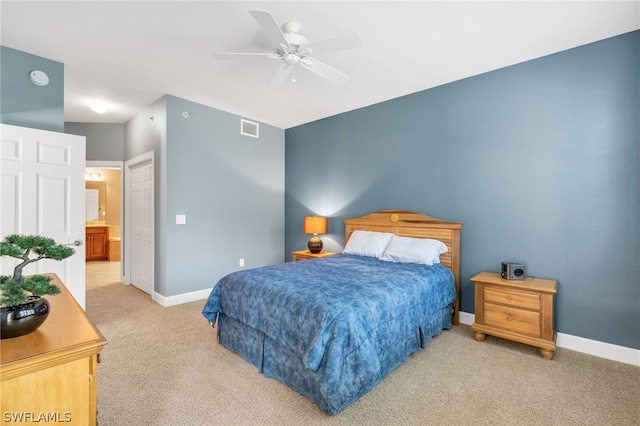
{"x":341,"y":314}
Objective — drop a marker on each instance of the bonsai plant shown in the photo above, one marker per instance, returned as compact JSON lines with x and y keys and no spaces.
{"x":23,"y":307}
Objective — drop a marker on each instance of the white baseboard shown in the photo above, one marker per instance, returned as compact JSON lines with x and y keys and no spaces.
{"x":467,"y":318}
{"x":587,"y":346}
{"x":600,"y":349}
{"x":180,"y":298}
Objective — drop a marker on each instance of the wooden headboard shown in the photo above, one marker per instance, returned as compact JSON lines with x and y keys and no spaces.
{"x":409,"y":224}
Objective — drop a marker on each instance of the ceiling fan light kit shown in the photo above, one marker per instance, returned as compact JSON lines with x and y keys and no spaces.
{"x":292,"y":49}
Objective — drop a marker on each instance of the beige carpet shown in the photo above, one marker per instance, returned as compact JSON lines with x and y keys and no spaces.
{"x":163,"y":366}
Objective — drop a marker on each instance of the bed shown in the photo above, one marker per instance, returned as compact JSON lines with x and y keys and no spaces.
{"x":332,"y":328}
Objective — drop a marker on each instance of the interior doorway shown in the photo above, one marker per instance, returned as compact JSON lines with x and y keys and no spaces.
{"x":103,"y":263}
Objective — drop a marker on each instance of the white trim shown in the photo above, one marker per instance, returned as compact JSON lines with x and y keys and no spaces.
{"x":587,"y":346}
{"x":599,"y":349}
{"x":180,"y":298}
{"x":103,"y":164}
{"x":467,"y":318}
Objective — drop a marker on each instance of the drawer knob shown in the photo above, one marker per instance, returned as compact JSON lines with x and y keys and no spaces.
{"x":509,"y":298}
{"x":509,"y":318}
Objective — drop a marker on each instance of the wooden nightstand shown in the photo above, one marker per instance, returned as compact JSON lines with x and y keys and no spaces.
{"x":518,"y":310}
{"x":306,"y":254}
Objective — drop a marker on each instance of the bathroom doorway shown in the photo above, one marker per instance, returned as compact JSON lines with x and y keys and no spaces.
{"x":103,"y":181}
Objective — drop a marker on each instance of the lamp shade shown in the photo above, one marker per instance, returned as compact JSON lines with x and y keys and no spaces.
{"x":315,"y":225}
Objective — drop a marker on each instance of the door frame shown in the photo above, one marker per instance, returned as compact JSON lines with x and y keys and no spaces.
{"x":120,"y":165}
{"x":126,"y":256}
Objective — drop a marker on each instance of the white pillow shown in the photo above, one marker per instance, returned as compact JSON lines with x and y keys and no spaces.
{"x":367,"y":243}
{"x":414,"y":250}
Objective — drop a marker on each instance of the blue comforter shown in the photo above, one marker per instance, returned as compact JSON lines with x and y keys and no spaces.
{"x":340,"y":314}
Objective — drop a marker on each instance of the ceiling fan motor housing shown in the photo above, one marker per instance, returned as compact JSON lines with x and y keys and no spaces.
{"x":297,"y":47}
{"x":290,"y":32}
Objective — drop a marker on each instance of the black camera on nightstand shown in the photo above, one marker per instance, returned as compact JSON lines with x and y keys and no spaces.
{"x":512,"y":271}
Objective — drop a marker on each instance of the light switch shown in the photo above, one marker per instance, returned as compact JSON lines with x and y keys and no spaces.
{"x":181,"y":219}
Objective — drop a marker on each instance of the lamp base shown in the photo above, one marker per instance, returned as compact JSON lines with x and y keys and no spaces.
{"x":315,"y":244}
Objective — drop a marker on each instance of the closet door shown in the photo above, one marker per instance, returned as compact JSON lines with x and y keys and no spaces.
{"x":139,"y":187}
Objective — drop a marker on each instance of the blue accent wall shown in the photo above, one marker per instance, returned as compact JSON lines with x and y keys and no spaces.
{"x":25,"y":104}
{"x":540,"y":160}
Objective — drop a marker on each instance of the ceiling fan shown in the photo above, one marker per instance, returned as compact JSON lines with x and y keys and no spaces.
{"x":293,"y":50}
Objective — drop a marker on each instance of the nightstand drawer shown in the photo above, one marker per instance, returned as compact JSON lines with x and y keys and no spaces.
{"x":512,"y":298}
{"x":512,"y":319}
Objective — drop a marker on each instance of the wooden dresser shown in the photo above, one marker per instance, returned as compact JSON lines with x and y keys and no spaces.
{"x":518,"y":310}
{"x":50,"y":375}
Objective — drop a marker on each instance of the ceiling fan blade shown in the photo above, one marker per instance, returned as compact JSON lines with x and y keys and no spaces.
{"x":325,"y":71}
{"x":280,"y":76}
{"x":269,"y":25}
{"x":342,"y":42}
{"x":241,"y":55}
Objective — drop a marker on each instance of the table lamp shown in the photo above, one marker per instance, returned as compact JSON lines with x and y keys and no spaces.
{"x":315,"y":225}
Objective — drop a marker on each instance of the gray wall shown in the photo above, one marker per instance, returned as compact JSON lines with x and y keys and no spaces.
{"x":105,"y":141}
{"x":146,"y":132}
{"x":541,"y":161}
{"x":23,"y":103}
{"x":230,"y":187}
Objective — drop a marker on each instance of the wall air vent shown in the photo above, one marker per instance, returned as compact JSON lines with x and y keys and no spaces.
{"x":249,"y":128}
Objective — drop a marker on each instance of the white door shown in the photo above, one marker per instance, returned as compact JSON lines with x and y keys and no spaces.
{"x":43,"y":193}
{"x":141,"y":220}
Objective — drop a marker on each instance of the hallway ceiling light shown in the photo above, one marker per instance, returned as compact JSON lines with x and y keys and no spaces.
{"x":98,"y":107}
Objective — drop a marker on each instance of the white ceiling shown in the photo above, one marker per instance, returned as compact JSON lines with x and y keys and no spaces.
{"x":129,"y":54}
